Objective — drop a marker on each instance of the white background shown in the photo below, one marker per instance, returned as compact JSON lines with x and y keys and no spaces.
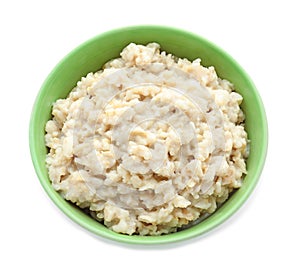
{"x":263,"y":36}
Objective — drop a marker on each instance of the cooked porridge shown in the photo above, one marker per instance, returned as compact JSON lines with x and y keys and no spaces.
{"x":149,"y":144}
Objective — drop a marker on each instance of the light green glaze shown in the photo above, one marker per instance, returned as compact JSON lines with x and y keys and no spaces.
{"x":90,"y":56}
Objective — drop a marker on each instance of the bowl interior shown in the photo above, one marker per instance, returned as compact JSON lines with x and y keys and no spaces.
{"x":90,"y":56}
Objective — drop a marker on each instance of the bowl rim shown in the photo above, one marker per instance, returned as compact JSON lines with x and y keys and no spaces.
{"x":148,"y":240}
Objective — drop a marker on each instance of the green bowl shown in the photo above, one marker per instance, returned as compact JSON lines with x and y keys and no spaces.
{"x":90,"y":56}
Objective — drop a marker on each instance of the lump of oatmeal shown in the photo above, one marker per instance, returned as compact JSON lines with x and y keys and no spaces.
{"x":149,"y":144}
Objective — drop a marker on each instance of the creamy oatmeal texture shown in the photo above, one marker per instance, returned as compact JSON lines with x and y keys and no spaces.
{"x":149,"y":144}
